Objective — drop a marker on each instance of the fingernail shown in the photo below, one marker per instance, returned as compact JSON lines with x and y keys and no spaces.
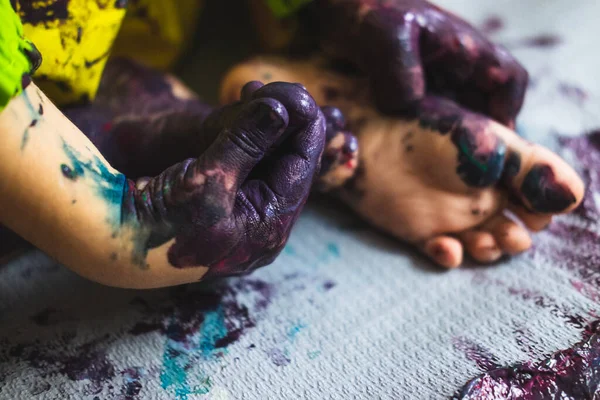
{"x":249,"y":89}
{"x":351,"y":144}
{"x":267,"y":118}
{"x":334,"y":117}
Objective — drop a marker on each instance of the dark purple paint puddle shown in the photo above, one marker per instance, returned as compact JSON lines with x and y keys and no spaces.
{"x":587,"y":151}
{"x":573,"y":373}
{"x":544,"y":40}
{"x":570,"y":374}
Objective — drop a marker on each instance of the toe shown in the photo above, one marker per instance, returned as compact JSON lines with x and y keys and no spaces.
{"x":481,"y":245}
{"x":533,"y":221}
{"x":445,"y":251}
{"x":543,"y":181}
{"x":511,"y":237}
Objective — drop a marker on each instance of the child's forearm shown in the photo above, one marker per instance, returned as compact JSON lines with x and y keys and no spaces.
{"x":59,"y":193}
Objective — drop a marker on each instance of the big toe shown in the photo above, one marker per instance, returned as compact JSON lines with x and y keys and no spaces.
{"x":542,"y":180}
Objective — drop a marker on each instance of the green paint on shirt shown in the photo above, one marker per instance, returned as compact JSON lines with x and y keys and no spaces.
{"x":285,"y":8}
{"x":14,"y":62}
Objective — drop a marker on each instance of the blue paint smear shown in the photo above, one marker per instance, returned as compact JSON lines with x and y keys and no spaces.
{"x":295,"y":330}
{"x":328,"y":254}
{"x":334,"y":250}
{"x":331,"y":252}
{"x":35,"y":118}
{"x":109,"y":186}
{"x":292,"y":333}
{"x":179,"y":356}
{"x":289,"y":250}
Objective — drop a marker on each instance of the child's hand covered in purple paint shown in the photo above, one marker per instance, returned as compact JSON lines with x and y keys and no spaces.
{"x":411,"y":48}
{"x":232,"y":208}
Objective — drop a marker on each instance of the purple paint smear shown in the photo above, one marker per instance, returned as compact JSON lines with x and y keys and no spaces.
{"x":178,"y":316}
{"x":569,"y":374}
{"x":477,"y":353}
{"x":573,"y":373}
{"x":77,"y":362}
{"x":190,"y":308}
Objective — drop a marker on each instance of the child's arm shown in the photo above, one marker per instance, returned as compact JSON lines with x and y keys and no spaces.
{"x":59,"y":193}
{"x":200,"y":216}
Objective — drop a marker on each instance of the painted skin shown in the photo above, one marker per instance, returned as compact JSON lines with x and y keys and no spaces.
{"x":144,"y":122}
{"x":440,"y":177}
{"x":410,"y":49}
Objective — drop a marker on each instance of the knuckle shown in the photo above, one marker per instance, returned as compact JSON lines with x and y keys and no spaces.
{"x":248,"y":141}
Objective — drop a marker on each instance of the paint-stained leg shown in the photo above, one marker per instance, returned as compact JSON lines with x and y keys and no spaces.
{"x":439,"y":177}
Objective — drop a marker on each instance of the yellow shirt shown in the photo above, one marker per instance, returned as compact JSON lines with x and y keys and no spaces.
{"x":76,"y":37}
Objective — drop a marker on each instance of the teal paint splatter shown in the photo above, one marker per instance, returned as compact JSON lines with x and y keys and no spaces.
{"x":285,"y":356}
{"x":294,"y":331}
{"x":314,"y":354}
{"x":289,"y":250}
{"x":331,"y":252}
{"x":179,"y":356}
{"x":213,"y":329}
{"x":334,"y":250}
{"x":326,"y":255}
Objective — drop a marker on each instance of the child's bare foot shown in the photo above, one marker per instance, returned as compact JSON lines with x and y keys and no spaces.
{"x":441,"y":180}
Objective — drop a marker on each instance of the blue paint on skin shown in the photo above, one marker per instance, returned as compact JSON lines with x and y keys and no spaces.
{"x":36,"y":116}
{"x":110,"y":186}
